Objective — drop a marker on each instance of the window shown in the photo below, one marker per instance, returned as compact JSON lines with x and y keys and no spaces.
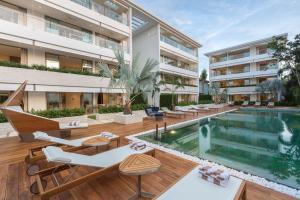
{"x":3,"y":97}
{"x":87,"y":66}
{"x":55,"y":100}
{"x":86,"y":99}
{"x":52,"y":61}
{"x":85,"y":3}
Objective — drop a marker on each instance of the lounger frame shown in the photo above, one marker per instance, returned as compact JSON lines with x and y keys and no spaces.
{"x":35,"y":154}
{"x":46,"y":194}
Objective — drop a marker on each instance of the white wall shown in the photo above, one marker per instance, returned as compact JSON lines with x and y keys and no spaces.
{"x":37,"y":101}
{"x":146,"y":44}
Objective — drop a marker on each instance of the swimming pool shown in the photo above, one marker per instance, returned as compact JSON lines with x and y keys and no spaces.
{"x":261,"y":142}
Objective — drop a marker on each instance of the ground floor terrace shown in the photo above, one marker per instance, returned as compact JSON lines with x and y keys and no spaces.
{"x":14,"y":182}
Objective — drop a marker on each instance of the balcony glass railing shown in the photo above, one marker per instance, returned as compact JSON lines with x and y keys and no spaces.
{"x":68,"y":32}
{"x":178,"y":45}
{"x":104,"y":10}
{"x":12,"y":15}
{"x":238,"y":56}
{"x":186,"y":67}
{"x":110,"y":44}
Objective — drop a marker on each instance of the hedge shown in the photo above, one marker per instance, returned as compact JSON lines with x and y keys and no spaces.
{"x":2,"y":118}
{"x":139,"y":99}
{"x":57,"y":113}
{"x":166,"y":100}
{"x":205,"y":101}
{"x":44,"y":68}
{"x":183,"y":103}
{"x":205,"y":97}
{"x":287,"y":104}
{"x":116,"y":109}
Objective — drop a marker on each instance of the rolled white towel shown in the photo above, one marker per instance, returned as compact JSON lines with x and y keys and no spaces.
{"x":106,"y":134}
{"x":212,"y":170}
{"x":138,"y":146}
{"x":224,"y":176}
{"x":74,"y":123}
{"x":41,"y":136}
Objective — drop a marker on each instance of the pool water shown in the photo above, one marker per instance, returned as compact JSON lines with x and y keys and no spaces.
{"x":265,"y":143}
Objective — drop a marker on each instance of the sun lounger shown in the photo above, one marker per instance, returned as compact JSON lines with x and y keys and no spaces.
{"x":186,"y":110}
{"x":25,"y":123}
{"x":105,"y":163}
{"x":34,"y":154}
{"x":271,"y":104}
{"x":172,"y":113}
{"x":257,"y":104}
{"x":230,"y":103}
{"x":200,"y":109}
{"x":193,"y":187}
{"x":245,"y":103}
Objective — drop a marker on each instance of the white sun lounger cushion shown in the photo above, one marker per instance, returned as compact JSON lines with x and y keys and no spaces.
{"x":101,"y":160}
{"x":74,"y":143}
{"x":53,"y":154}
{"x":193,"y":187}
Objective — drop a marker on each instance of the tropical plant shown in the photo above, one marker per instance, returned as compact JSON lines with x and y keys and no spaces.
{"x":203,"y":77}
{"x":133,"y":78}
{"x":288,"y":55}
{"x":173,"y":85}
{"x":274,"y":87}
{"x":215,"y":91}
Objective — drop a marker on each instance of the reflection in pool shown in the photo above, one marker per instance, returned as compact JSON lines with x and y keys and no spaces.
{"x":262,"y":142}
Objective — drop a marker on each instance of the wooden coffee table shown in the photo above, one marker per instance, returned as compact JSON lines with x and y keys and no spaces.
{"x":96,"y":142}
{"x":138,"y":165}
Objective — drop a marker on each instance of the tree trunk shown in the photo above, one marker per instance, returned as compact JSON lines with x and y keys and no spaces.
{"x":127,"y":108}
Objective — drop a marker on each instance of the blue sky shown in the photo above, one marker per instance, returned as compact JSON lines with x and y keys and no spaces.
{"x":222,"y":23}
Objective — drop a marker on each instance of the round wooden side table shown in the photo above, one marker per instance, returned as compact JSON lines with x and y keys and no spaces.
{"x":138,"y":165}
{"x":96,"y":142}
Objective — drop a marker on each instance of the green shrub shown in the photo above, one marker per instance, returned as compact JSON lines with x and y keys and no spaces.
{"x":44,"y":68}
{"x":166,"y":100}
{"x":57,"y":113}
{"x":94,"y":117}
{"x":183,"y":103}
{"x":205,"y":97}
{"x":110,"y":109}
{"x":285,"y":103}
{"x":138,"y":107}
{"x":205,"y":101}
{"x":2,"y":118}
{"x":139,"y":99}
{"x":238,"y":103}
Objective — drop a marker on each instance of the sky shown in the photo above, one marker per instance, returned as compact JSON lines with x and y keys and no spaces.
{"x":218,"y":24}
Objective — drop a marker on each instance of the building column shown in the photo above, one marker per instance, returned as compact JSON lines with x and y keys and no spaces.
{"x":24,"y":58}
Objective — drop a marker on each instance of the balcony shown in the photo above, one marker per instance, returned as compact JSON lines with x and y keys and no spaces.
{"x":68,"y":41}
{"x":178,"y":49}
{"x":55,"y":81}
{"x":103,"y":10}
{"x":17,"y":16}
{"x":250,"y":89}
{"x":250,"y":74}
{"x":110,"y":44}
{"x":186,"y":90}
{"x":178,"y":71}
{"x":242,"y":60}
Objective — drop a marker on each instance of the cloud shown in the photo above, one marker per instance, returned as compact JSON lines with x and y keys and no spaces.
{"x":181,"y":22}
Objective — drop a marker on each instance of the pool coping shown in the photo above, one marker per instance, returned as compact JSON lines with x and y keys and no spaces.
{"x":240,"y":174}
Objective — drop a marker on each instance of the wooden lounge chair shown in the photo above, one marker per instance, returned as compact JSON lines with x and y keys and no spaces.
{"x":105,"y":163}
{"x":230,"y":103}
{"x":36,"y":154}
{"x":245,"y":104}
{"x":271,"y":104}
{"x":172,"y":113}
{"x":25,"y":123}
{"x":193,"y":187}
{"x":186,"y":110}
{"x":257,"y":104}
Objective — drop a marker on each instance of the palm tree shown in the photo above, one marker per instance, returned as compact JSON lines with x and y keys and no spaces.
{"x":275,"y":87}
{"x":215,"y":91}
{"x":203,"y":77}
{"x":133,"y":78}
{"x":173,"y":85}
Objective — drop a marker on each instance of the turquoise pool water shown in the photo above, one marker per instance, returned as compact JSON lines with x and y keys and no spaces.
{"x":261,"y":142}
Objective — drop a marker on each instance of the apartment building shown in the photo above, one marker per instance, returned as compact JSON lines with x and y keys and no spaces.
{"x":241,"y":68}
{"x":176,"y":52}
{"x":75,"y":35}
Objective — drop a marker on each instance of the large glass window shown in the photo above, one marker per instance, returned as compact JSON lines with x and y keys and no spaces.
{"x":85,"y":3}
{"x":67,"y":30}
{"x":86,"y":99}
{"x":55,"y":100}
{"x":87,"y":66}
{"x":52,"y":61}
{"x":12,"y":13}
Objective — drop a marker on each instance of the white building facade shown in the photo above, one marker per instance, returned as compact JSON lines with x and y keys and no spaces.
{"x":71,"y":35}
{"x":241,"y":68}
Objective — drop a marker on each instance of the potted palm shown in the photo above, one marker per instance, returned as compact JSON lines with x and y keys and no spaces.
{"x":133,"y":78}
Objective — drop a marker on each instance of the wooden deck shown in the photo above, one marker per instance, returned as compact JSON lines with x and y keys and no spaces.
{"x":14,"y":183}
